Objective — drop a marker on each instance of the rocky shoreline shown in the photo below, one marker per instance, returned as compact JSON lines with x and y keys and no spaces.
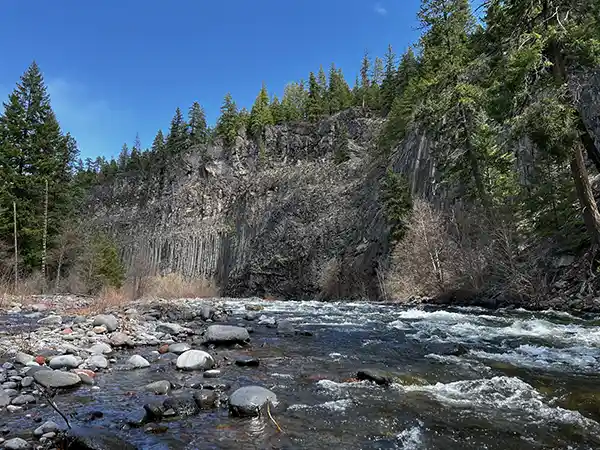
{"x":49,"y":350}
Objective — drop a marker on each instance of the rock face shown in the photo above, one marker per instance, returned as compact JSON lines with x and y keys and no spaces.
{"x":249,"y":400}
{"x":226,"y":334}
{"x":195,"y":360}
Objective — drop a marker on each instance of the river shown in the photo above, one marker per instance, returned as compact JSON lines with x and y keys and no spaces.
{"x":466,"y":379}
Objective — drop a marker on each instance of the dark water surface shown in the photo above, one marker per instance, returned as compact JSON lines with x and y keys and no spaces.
{"x":469,"y":379}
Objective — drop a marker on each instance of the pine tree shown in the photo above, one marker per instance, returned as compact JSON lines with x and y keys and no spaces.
{"x":123,"y":160}
{"x":198,"y":130}
{"x":294,"y":102}
{"x":389,"y":83}
{"x":177,"y":138}
{"x":158,"y":145}
{"x":339,"y":96}
{"x":261,"y":115}
{"x":229,"y":122}
{"x":314,"y":106}
{"x":277,"y":111}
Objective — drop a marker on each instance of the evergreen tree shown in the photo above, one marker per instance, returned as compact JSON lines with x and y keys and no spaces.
{"x":294,"y":102}
{"x":408,"y":69}
{"x":198,"y":130}
{"x":261,"y":115}
{"x":339,"y":95}
{"x":177,"y":138}
{"x":33,"y":150}
{"x":158,"y":145}
{"x":123,"y":160}
{"x":229,"y":122}
{"x":389,"y":84}
{"x":277,"y":111}
{"x":314,"y":105}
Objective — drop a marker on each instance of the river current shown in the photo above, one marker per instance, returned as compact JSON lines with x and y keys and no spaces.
{"x":466,"y":379}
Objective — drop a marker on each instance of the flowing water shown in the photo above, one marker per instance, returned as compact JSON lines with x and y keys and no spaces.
{"x":467,"y":379}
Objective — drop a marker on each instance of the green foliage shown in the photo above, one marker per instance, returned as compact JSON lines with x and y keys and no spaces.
{"x":229,"y":121}
{"x":261,"y":114}
{"x":339,"y":96}
{"x":397,"y":202}
{"x":277,"y":111}
{"x":177,"y":139}
{"x":101,"y":263}
{"x":314,"y":105}
{"x":198,"y":129}
{"x":294,"y":102}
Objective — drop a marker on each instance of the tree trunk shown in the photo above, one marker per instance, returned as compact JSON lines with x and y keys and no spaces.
{"x":591,"y":216}
{"x":45,"y":236}
{"x":16,"y":252}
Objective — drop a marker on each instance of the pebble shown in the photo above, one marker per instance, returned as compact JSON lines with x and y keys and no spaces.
{"x":26,"y":382}
{"x":100,"y":348}
{"x":99,"y":329}
{"x":139,"y":362}
{"x":212,"y":373}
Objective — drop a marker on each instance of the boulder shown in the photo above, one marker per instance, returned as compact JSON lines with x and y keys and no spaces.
{"x":179,"y":348}
{"x":97,"y":362}
{"x":250,"y":400}
{"x":138,"y":362}
{"x":50,"y":320}
{"x":46,"y":427}
{"x":225,"y":334}
{"x":195,"y":360}
{"x":161,"y":387}
{"x":285,"y":328}
{"x":121,"y":340}
{"x":100,"y":348}
{"x":56,"y":378}
{"x":375,"y":375}
{"x":64,"y":361}
{"x":108,"y":320}
{"x":23,"y":358}
{"x":17,"y":444}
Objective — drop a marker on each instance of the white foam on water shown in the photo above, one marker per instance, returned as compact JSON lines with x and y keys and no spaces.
{"x":340,"y":389}
{"x":399,"y":325}
{"x":411,"y":438}
{"x":335,"y":405}
{"x":502,"y":395}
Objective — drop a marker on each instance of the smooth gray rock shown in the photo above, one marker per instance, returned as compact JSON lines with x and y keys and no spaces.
{"x":46,"y":427}
{"x":249,"y":400}
{"x":17,"y":444}
{"x":23,"y":400}
{"x":23,"y":358}
{"x":108,"y":320}
{"x":195,"y":360}
{"x":285,"y":328}
{"x":247,"y":361}
{"x":50,"y":320}
{"x":179,"y":348}
{"x":171,"y":328}
{"x":26,"y":382}
{"x":158,"y":387}
{"x":121,"y":340}
{"x":64,"y":361}
{"x":4,"y":399}
{"x":138,"y":362}
{"x":225,"y":334}
{"x":97,"y":362}
{"x":206,"y":312}
{"x":56,"y":378}
{"x":100,"y":348}
{"x":212,"y":373}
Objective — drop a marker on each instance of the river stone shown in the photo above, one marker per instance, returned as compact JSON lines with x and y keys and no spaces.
{"x":26,"y":382}
{"x":179,"y":348}
{"x":9,"y":385}
{"x":285,"y":328}
{"x":247,"y":361}
{"x":100,"y":348}
{"x":108,"y":320}
{"x":23,"y":358}
{"x":183,"y":403}
{"x":154,"y":410}
{"x":56,"y":378}
{"x":171,"y":328}
{"x":249,"y":400}
{"x":212,"y":373}
{"x":375,"y":375}
{"x":64,"y":361}
{"x":47,"y":427}
{"x":4,"y":399}
{"x":50,"y":320}
{"x":94,"y":439}
{"x":158,"y":387}
{"x":206,"y":399}
{"x":206,"y":312}
{"x":121,"y":340}
{"x":138,"y":362}
{"x":16,"y":444}
{"x":225,"y":334}
{"x":97,"y":361}
{"x":23,"y":400}
{"x":39,"y":307}
{"x":195,"y":360}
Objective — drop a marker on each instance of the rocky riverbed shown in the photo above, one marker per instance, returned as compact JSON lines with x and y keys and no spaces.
{"x":249,"y":373}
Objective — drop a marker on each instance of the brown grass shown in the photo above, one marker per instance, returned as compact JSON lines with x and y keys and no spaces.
{"x":176,"y":286}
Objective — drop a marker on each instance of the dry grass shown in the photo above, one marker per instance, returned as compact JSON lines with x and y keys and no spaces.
{"x":176,"y":286}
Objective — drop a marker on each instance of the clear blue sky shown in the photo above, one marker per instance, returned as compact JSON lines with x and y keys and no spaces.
{"x":117,"y":67}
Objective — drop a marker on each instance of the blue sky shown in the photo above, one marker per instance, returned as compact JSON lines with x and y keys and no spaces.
{"x":114,"y":68}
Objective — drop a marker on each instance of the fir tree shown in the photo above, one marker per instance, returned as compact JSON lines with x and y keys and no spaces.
{"x":294,"y":102}
{"x":177,"y":138}
{"x":277,"y":111}
{"x":229,"y":122}
{"x":198,"y":130}
{"x":314,"y":106}
{"x":261,"y":115}
{"x":389,"y":86}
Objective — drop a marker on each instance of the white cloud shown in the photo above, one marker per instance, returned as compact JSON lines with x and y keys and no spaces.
{"x":379,"y":9}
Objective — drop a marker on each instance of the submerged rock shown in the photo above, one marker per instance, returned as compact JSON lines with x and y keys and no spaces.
{"x":94,"y":439}
{"x":375,"y":375}
{"x":249,"y":400}
{"x":107,"y":320}
{"x":56,"y":378}
{"x":195,"y":360}
{"x":206,"y":399}
{"x":225,"y":334}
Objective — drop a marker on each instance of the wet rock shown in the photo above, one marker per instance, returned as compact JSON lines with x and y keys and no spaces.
{"x":56,"y":378}
{"x":17,"y":444}
{"x":97,"y":362}
{"x":207,"y":312}
{"x":179,"y":348}
{"x":195,"y":360}
{"x":183,"y":403}
{"x":64,"y":361}
{"x":161,"y":387}
{"x":23,"y":400}
{"x":225,"y":334}
{"x":212,"y":373}
{"x":206,"y":399}
{"x":154,"y":410}
{"x":285,"y":328}
{"x":121,"y":340}
{"x":246,"y":361}
{"x":100,"y":348}
{"x":94,"y":439}
{"x":23,"y":358}
{"x":108,"y":320}
{"x":195,"y":382}
{"x":51,"y":320}
{"x":47,"y":427}
{"x":13,"y":408}
{"x":249,"y":400}
{"x":270,"y":322}
{"x":138,"y":362}
{"x":4,"y":399}
{"x":375,"y":375}
{"x":251,"y":307}
{"x":172,"y":328}
{"x":26,"y":382}
{"x":250,"y":316}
